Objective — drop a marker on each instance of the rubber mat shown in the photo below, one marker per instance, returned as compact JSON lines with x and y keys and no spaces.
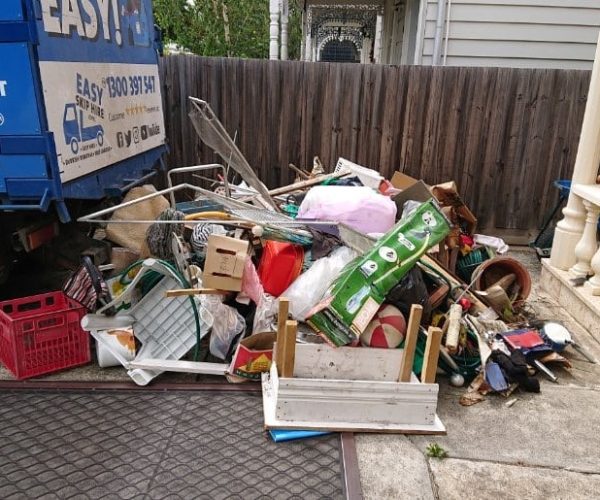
{"x":155,"y":445}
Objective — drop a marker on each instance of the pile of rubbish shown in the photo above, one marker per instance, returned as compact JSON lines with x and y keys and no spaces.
{"x":345,"y":281}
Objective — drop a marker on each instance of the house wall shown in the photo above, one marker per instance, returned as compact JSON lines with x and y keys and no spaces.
{"x":511,"y":33}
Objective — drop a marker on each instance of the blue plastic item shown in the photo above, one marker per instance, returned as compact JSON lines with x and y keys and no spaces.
{"x":563,"y":186}
{"x":280,"y":435}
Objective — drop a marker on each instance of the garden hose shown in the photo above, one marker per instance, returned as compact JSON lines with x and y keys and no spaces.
{"x":153,"y":278}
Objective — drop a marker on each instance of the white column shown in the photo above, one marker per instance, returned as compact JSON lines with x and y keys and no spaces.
{"x":274,"y":29}
{"x":365,"y":52}
{"x":378,"y":39}
{"x":569,"y":229}
{"x":308,"y":46}
{"x":285,"y":15}
{"x":594,"y":281}
{"x":587,"y":245}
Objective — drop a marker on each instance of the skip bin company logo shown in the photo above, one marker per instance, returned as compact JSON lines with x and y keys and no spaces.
{"x":117,"y":20}
{"x":136,"y":135}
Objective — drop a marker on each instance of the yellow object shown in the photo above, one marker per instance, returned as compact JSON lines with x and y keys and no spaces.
{"x":208,"y":215}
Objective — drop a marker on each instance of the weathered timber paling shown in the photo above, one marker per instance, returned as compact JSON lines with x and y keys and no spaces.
{"x":503,"y":134}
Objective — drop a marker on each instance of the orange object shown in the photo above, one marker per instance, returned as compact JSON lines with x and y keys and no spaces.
{"x":492,"y":270}
{"x":280,"y":264}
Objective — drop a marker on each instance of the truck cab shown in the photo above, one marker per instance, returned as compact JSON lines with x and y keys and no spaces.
{"x":77,"y":79}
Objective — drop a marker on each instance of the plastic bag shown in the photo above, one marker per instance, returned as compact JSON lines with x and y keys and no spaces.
{"x":361,"y":208}
{"x":309,"y":288}
{"x":251,"y":285}
{"x":497,"y":244}
{"x":265,"y":317}
{"x":228,"y":324}
{"x":411,"y":290}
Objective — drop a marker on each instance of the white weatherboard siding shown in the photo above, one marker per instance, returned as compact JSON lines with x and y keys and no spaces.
{"x":512,"y":33}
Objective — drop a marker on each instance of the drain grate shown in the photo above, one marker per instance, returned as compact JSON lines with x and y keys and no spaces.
{"x":155,"y":445}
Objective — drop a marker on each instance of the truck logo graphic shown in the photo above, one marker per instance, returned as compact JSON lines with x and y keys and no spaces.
{"x":75,"y":130}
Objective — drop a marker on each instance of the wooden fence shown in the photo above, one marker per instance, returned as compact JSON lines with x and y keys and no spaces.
{"x":502,"y":134}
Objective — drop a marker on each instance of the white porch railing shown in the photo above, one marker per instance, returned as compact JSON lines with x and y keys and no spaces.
{"x":587,"y":252}
{"x":575,"y":247}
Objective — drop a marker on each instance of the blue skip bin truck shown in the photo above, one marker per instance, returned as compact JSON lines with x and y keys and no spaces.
{"x":80,"y":105}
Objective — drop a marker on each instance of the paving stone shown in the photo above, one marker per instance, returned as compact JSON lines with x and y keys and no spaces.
{"x":557,"y":428}
{"x":392,"y":468}
{"x":468,"y":480}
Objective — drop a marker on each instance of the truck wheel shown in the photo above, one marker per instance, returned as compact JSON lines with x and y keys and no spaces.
{"x":74,"y":145}
{"x":100,"y":138}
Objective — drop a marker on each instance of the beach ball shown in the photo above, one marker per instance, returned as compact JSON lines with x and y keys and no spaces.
{"x":386,"y":329}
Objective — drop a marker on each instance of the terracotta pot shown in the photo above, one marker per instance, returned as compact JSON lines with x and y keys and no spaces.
{"x":492,"y":270}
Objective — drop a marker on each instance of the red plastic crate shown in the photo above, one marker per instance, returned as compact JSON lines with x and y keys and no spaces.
{"x":42,"y":334}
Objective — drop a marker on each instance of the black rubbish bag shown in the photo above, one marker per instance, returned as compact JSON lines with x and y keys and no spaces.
{"x":411,"y":290}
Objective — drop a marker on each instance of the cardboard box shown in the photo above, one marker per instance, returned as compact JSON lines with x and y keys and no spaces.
{"x":363,"y":284}
{"x":402,"y":181}
{"x":253,"y":356}
{"x":225,"y":261}
{"x":447,"y":195}
{"x":416,"y":192}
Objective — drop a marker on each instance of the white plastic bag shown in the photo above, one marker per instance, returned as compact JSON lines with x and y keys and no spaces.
{"x":309,"y":288}
{"x":497,"y":244}
{"x":265,"y":317}
{"x":227,"y":325}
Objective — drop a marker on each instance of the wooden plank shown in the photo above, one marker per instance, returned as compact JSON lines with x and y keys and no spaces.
{"x":282,"y":317}
{"x":410,"y":343}
{"x":321,"y":361}
{"x":453,"y":325}
{"x":288,"y":349}
{"x":395,"y":100}
{"x":432,"y":353}
{"x":348,"y":405}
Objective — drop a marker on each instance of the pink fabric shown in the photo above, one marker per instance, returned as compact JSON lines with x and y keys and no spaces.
{"x":251,"y":284}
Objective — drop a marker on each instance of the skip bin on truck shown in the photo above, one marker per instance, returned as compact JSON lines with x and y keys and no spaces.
{"x":80,"y":105}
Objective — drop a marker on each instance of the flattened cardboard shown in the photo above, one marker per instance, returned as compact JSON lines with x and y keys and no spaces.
{"x":418,"y":191}
{"x":402,"y":181}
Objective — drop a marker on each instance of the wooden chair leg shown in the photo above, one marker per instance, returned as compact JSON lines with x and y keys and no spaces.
{"x":284,"y":307}
{"x":410,"y":344}
{"x":432,"y":353}
{"x":289,"y":349}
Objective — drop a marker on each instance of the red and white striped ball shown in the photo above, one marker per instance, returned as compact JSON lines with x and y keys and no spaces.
{"x":386,"y":329}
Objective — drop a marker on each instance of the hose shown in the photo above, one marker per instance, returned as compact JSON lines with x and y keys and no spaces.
{"x":151,"y":278}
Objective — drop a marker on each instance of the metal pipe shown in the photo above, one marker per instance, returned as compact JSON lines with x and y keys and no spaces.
{"x":439,"y":26}
{"x":196,"y":168}
{"x":448,"y":10}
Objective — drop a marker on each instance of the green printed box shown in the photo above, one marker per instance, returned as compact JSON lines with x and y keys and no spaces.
{"x":361,"y":288}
